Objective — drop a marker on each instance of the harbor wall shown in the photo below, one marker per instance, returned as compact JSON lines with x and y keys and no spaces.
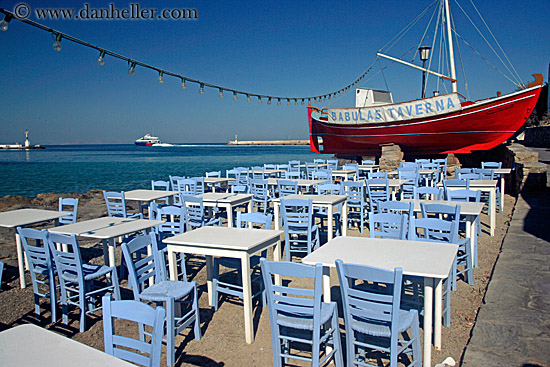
{"x":269,"y":142}
{"x":537,"y":136}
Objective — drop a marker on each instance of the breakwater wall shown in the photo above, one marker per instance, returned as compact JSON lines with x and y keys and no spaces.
{"x":269,"y":142}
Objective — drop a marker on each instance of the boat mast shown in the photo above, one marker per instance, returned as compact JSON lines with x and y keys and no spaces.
{"x":451,"y":49}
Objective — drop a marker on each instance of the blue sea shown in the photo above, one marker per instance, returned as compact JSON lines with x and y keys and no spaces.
{"x":79,"y":168}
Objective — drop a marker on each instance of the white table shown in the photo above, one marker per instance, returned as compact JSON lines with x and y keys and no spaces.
{"x":25,"y":217}
{"x":306,"y":184}
{"x":489,"y":186}
{"x":31,"y":345}
{"x":239,"y":243}
{"x":345,"y":174}
{"x":149,"y":195}
{"x":330,"y":202}
{"x":470,"y":210}
{"x":369,"y":168}
{"x":107,"y":229}
{"x":431,"y":261}
{"x":394,"y":184}
{"x":501,"y":172}
{"x":218,"y":181}
{"x":228,"y":201}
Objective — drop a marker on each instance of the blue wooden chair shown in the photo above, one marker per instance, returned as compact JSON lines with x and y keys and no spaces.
{"x":292,"y":175}
{"x":496,"y":176}
{"x":137,"y":351}
{"x":352,"y":167}
{"x":179,"y":297}
{"x":373,"y":318}
{"x":464,"y":184}
{"x":260,"y":196}
{"x":194,"y":213}
{"x":368,"y":162}
{"x":462,"y":171}
{"x":174,"y":224}
{"x":257,"y":173}
{"x":161,"y":185}
{"x":186,"y":186}
{"x":199,"y":185}
{"x":378,"y":174}
{"x":322,"y":213}
{"x":294,"y":166}
{"x":409,"y":166}
{"x":310,"y":168}
{"x":287,"y":187}
{"x":68,"y":205}
{"x":174,"y":186}
{"x":216,"y":187}
{"x":358,"y":207}
{"x":332,"y":164}
{"x":428,"y":193}
{"x":116,"y":205}
{"x":80,"y":282}
{"x":442,"y":164}
{"x":407,"y":189}
{"x":235,"y":289}
{"x":388,"y":225}
{"x":319,"y":161}
{"x":298,"y":317}
{"x":41,"y":267}
{"x":378,"y":189}
{"x":301,"y":233}
{"x":322,"y":175}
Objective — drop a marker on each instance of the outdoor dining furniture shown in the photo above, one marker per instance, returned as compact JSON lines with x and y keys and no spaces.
{"x":239,"y":243}
{"x":218,"y":182}
{"x":31,"y":345}
{"x":68,"y":205}
{"x":116,"y":205}
{"x":305,"y":184}
{"x":107,"y":229}
{"x":227,"y":201}
{"x":345,"y":174}
{"x":24,"y":217}
{"x":432,"y":262}
{"x":330,"y":202}
{"x":148,"y":196}
{"x":301,"y":233}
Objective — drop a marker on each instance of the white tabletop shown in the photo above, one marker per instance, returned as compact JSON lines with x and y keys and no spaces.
{"x":466,"y":207}
{"x":221,"y":197}
{"x":426,"y":259}
{"x":148,"y":195}
{"x":476,"y":183}
{"x":317,"y":199}
{"x":239,"y":239}
{"x":23,"y":217}
{"x":300,"y":182}
{"x":106,"y":227}
{"x":31,"y":345}
{"x":215,"y":180}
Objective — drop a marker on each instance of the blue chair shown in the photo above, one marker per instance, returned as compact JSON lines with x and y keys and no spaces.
{"x":368,"y":162}
{"x":357,"y":204}
{"x":243,"y":177}
{"x":493,"y":166}
{"x":388,"y":225}
{"x":378,"y":189}
{"x":470,"y":176}
{"x":462,"y":171}
{"x":68,"y":205}
{"x":352,"y":167}
{"x":298,"y":317}
{"x":442,"y":164}
{"x":79,"y":282}
{"x":378,"y":174}
{"x":409,"y":166}
{"x":322,"y":175}
{"x":428,"y":193}
{"x":463,"y":184}
{"x":174,"y":224}
{"x":260,"y":195}
{"x":174,"y":185}
{"x":116,"y":205}
{"x":257,"y":173}
{"x":214,"y":187}
{"x":186,"y":186}
{"x":310,"y":168}
{"x":332,"y":164}
{"x":373,"y":318}
{"x":322,"y":213}
{"x":292,"y":175}
{"x":199,"y":185}
{"x":194,"y":213}
{"x":301,"y":233}
{"x":294,"y":166}
{"x":161,"y":185}
{"x":137,"y":351}
{"x":407,"y":189}
{"x":287,"y":187}
{"x":179,"y":297}
{"x":421,"y":161}
{"x":236,"y":289}
{"x":41,"y":267}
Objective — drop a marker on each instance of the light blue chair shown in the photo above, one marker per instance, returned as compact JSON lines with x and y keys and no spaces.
{"x":332,"y":164}
{"x":368,"y":162}
{"x":294,"y":166}
{"x":352,"y":167}
{"x":160,"y":185}
{"x":464,"y":184}
{"x":322,"y":213}
{"x":428,"y":193}
{"x":388,"y":225}
{"x":287,"y":187}
{"x":292,"y":175}
{"x":68,"y":205}
{"x":174,"y":185}
{"x":373,"y":317}
{"x":186,"y":186}
{"x":409,"y":166}
{"x":199,"y":185}
{"x":194,"y":213}
{"x":298,"y":317}
{"x":41,"y":267}
{"x":496,"y":176}
{"x":179,"y":297}
{"x":79,"y":282}
{"x":301,"y":233}
{"x":462,"y":171}
{"x":260,"y":196}
{"x":215,"y":187}
{"x":442,"y":165}
{"x":322,"y":175}
{"x":407,"y":189}
{"x":116,"y":205}
{"x":257,"y":173}
{"x":137,"y":351}
{"x":174,"y":224}
{"x":358,"y":206}
{"x":378,"y":189}
{"x":310,"y":168}
{"x":225,"y":286}
{"x":378,"y":174}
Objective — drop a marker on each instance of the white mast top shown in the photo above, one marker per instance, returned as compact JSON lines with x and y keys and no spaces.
{"x":451,"y":48}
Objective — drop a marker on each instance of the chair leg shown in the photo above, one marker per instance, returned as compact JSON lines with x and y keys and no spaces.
{"x":170,"y":333}
{"x":338,"y":360}
{"x":197,"y":327}
{"x":215,"y":276}
{"x":82,"y":305}
{"x":415,"y":333}
{"x":53,"y":298}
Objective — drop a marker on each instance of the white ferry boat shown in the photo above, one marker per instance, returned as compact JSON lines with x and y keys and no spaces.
{"x":148,"y":140}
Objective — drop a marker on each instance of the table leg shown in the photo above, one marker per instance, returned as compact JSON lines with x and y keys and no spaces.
{"x":492,"y":211}
{"x":437,"y":313}
{"x":276,"y":207}
{"x":501,"y":192}
{"x":172,"y":264}
{"x":247,"y":299}
{"x":428,"y":302}
{"x":344,"y":223}
{"x":209,"y":275}
{"x":278,"y":256}
{"x":112,"y":252}
{"x":326,"y":284}
{"x":330,"y":219}
{"x":229,"y":211}
{"x":20,"y":260}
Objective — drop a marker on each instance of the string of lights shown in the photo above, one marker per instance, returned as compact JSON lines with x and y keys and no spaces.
{"x":132,"y":64}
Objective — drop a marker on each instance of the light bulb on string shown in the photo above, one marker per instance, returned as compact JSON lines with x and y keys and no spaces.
{"x":296,"y":101}
{"x":5,"y":22}
{"x":101,"y":58}
{"x":269,"y":101}
{"x":57,"y":43}
{"x":259,"y":100}
{"x":288,"y":102}
{"x":132,"y":68}
{"x":302,"y":101}
{"x":183,"y":84}
{"x":248,"y":98}
{"x":201,"y":90}
{"x":221,"y":92}
{"x":161,"y":77}
{"x":234,"y":96}
{"x":278,"y":101}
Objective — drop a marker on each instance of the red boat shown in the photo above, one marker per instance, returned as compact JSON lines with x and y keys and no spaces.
{"x":477,"y":125}
{"x":435,"y":125}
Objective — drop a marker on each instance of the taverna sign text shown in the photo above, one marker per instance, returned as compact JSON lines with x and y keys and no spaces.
{"x":421,"y":108}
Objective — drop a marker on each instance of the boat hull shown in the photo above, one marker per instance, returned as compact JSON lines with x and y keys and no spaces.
{"x":478,"y":126}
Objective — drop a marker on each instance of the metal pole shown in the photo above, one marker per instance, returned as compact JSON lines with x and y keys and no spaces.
{"x":423,"y":79}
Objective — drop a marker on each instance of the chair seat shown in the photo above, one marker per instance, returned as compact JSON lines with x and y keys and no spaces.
{"x":306,"y":322}
{"x":383,"y":329}
{"x":90,"y":272}
{"x":159,"y":292}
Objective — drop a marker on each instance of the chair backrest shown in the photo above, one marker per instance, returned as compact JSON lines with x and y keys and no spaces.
{"x":297,"y":214}
{"x":352,"y":167}
{"x":428,"y":193}
{"x":290,"y":300}
{"x":439,"y":222}
{"x":470,"y":176}
{"x":243,"y":177}
{"x":329,"y":189}
{"x":68,"y":260}
{"x":407,"y":189}
{"x":270,"y":166}
{"x":161,"y":186}
{"x":193,"y":211}
{"x":239,"y":189}
{"x":371,"y":295}
{"x":174,"y":180}
{"x":491,"y":165}
{"x":199,"y":185}
{"x":259,"y":190}
{"x":461,"y":171}
{"x":378,"y":174}
{"x":283,"y":166}
{"x":129,"y":349}
{"x":257,"y":173}
{"x":388,"y":225}
{"x":395,"y":206}
{"x":377,"y":190}
{"x":310,"y":168}
{"x":319,"y":161}
{"x":410,"y":166}
{"x":456,"y":182}
{"x":292,"y":175}
{"x":355,"y":190}
{"x":294,"y":166}
{"x":187,"y":186}
{"x":485,"y":173}
{"x":68,"y":205}
{"x":332,"y":164}
{"x":250,"y":219}
{"x":37,"y":251}
{"x":368,"y":162}
{"x":322,"y":174}
{"x":174,"y":221}
{"x":464,"y":195}
{"x":116,"y":204}
{"x":420,"y":161}
{"x":213,"y":174}
{"x":287,"y":187}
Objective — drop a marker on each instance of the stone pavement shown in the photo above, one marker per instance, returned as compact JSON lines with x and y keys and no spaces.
{"x":513,"y":324}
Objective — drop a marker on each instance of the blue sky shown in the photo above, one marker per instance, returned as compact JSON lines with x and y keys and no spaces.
{"x":288,"y":48}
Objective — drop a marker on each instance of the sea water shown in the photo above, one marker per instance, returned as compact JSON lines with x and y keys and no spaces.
{"x":79,"y":168}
